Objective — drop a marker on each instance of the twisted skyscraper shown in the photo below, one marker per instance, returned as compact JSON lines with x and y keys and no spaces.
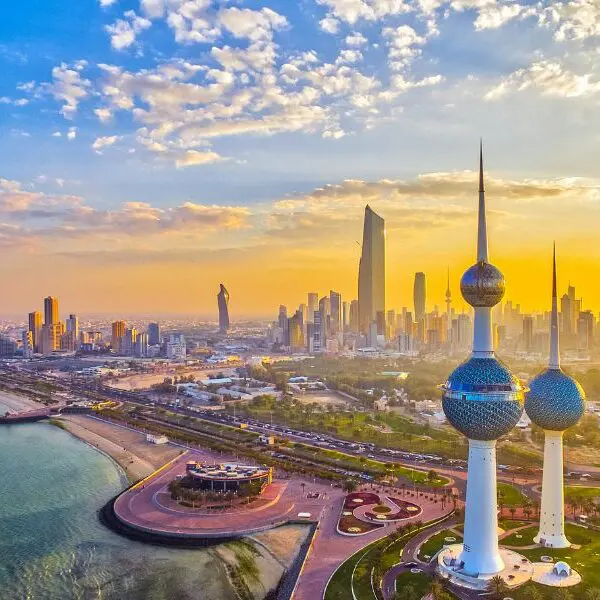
{"x":482,"y":400}
{"x":554,"y":402}
{"x":223,"y":303}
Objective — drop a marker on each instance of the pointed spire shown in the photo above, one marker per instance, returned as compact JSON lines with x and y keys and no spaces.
{"x":482,"y":243}
{"x":481,"y":187}
{"x":448,"y":292}
{"x":554,"y":362}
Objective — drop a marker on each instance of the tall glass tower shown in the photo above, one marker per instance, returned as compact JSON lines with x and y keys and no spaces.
{"x":483,"y":400}
{"x":554,"y":402}
{"x":371,"y":270}
{"x":419,"y":296}
{"x":223,"y":304}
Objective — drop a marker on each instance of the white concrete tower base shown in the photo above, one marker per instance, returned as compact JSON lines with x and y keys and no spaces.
{"x":480,"y":553}
{"x":552,"y":518}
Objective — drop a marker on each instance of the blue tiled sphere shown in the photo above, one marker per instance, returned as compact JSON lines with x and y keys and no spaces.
{"x":482,"y":399}
{"x":554,"y":401}
{"x":482,"y":285}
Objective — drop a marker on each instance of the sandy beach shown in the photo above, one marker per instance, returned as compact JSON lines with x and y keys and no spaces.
{"x":137,"y":457}
{"x":16,"y":403}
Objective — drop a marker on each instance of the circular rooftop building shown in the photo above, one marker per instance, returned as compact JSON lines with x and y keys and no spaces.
{"x":482,"y":399}
{"x":554,"y":401}
{"x":225,"y":477}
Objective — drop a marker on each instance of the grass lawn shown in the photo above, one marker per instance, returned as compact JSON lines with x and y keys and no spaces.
{"x":419,"y":581}
{"x":526,"y":538}
{"x":436,"y":542}
{"x":581,"y":492}
{"x":339,"y":585}
{"x":509,"y":524}
{"x":585,"y":561}
{"x":510,"y":495}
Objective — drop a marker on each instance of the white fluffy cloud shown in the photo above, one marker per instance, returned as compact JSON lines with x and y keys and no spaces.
{"x":123,"y":32}
{"x":548,"y":78}
{"x":104,"y":142}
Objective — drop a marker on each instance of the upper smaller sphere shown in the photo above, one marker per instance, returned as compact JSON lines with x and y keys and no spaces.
{"x":482,"y":285}
{"x":555,"y":401}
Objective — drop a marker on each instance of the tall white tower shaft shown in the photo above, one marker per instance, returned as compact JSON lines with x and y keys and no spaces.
{"x":480,"y":553}
{"x":552,"y":517}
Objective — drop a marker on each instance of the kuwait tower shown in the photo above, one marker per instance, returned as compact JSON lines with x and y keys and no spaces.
{"x":554,"y":402}
{"x":483,"y":400}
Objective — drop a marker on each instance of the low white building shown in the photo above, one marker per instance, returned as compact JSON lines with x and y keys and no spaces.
{"x":176,"y":347}
{"x":157,"y":439}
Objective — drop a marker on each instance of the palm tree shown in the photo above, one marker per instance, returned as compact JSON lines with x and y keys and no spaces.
{"x":532,"y":593}
{"x":592,"y":594}
{"x":562,"y":594}
{"x":497,"y":586}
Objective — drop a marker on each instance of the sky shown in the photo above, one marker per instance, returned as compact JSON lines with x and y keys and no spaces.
{"x":152,"y":149}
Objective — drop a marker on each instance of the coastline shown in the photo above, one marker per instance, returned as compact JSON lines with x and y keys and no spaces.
{"x":17,"y":403}
{"x":125,"y":447}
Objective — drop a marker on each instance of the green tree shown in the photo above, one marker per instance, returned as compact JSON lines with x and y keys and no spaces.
{"x":497,"y":586}
{"x":592,"y":594}
{"x":350,"y":485}
{"x":562,"y":594}
{"x":532,"y":593}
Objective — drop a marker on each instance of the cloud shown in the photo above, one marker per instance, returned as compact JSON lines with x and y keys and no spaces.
{"x":123,"y":32}
{"x":104,"y":114}
{"x":105,"y":3}
{"x":72,"y":133}
{"x":352,"y":11}
{"x":104,"y":142}
{"x":193,"y":158}
{"x":69,"y":87}
{"x":549,"y":78}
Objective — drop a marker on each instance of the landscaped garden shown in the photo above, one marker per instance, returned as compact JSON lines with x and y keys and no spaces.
{"x":585,"y":560}
{"x":348,"y":523}
{"x":509,"y":495}
{"x":356,"y":577}
{"x":406,"y":510}
{"x":436,"y":542}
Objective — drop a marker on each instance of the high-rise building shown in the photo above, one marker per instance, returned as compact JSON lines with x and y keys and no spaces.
{"x":313,"y":305}
{"x":419,"y":296}
{"x":296,"y":331}
{"x":335,"y":303}
{"x":27,"y":338}
{"x":128,"y":342}
{"x":118,"y":334}
{"x":51,"y":337}
{"x":448,"y":310}
{"x":283,"y":325}
{"x":176,"y":347}
{"x":35,"y":327}
{"x":585,"y":330}
{"x":154,"y":334}
{"x":50,"y":310}
{"x":72,"y":332}
{"x":345,"y":315}
{"x":371,"y":270}
{"x":317,"y":332}
{"x":141,"y":345}
{"x":554,"y":402}
{"x":528,"y":333}
{"x":483,"y":400}
{"x":223,"y":303}
{"x":354,"y":316}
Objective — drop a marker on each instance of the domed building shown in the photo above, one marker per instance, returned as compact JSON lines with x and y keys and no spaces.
{"x":554,"y":402}
{"x":483,"y":400}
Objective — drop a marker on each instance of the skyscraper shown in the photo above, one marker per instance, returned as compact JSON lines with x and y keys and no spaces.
{"x":223,"y":303}
{"x":419,"y":296}
{"x":371,"y":270}
{"x":335,"y":303}
{"x":35,"y":326}
{"x":448,"y":311}
{"x":313,"y":305}
{"x":154,"y":334}
{"x":118,"y":334}
{"x":554,"y":402}
{"x":483,"y":400}
{"x":50,"y":310}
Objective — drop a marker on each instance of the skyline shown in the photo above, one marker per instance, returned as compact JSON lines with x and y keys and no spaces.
{"x":163,"y":147}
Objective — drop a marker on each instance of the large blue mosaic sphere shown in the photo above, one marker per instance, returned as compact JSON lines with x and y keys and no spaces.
{"x":482,"y":399}
{"x":554,"y":401}
{"x":482,"y":285}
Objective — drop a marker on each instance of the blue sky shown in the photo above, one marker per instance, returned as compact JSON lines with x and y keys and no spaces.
{"x":193,"y":125}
